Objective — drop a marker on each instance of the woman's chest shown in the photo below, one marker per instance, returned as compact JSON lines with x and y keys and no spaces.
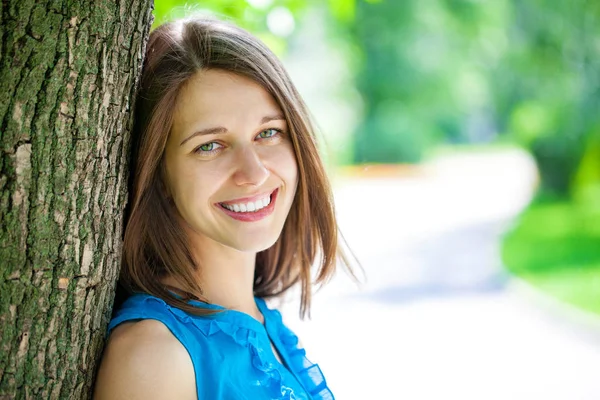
{"x":255,"y":371}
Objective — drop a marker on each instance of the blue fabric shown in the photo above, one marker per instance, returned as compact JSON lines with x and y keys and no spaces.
{"x":231,"y":351}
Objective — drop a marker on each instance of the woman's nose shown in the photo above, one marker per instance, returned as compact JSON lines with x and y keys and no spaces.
{"x":250,"y":169}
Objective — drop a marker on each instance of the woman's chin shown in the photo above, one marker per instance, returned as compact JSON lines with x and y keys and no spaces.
{"x":255,"y":246}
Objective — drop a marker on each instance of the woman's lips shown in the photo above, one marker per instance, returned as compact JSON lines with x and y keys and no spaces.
{"x":251,"y":216}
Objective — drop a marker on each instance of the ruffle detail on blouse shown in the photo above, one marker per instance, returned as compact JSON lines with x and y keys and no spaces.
{"x":308,"y":373}
{"x":270,"y":377}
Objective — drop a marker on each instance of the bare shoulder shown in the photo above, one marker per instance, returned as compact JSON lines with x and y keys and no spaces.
{"x":143,"y":360}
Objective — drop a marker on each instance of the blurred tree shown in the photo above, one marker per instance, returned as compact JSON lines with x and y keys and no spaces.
{"x":548,"y":88}
{"x":465,"y":71}
{"x":423,"y":75}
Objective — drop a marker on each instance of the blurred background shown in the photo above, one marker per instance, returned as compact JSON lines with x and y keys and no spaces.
{"x":462,"y":138}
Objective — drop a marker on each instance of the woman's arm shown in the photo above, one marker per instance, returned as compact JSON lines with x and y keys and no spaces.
{"x":143,"y":360}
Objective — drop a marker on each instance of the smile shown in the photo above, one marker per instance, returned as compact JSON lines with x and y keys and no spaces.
{"x":251,"y":209}
{"x":250,"y":206}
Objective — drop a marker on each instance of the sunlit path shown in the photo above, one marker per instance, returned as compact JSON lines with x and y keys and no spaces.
{"x":438,"y":318}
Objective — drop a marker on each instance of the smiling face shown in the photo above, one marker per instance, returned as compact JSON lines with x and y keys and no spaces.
{"x":229,"y":162}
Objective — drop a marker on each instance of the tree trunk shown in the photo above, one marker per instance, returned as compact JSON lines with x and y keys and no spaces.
{"x":68,"y":70}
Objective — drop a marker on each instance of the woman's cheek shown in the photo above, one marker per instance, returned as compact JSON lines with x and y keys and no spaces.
{"x":283,"y":161}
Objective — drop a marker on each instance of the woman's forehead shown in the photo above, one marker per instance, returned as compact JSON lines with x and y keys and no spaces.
{"x":214,"y":95}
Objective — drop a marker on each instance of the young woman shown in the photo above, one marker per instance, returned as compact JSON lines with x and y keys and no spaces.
{"x":229,"y":206}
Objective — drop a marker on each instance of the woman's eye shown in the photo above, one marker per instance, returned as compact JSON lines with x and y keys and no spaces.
{"x":208,"y":147}
{"x":268,"y":133}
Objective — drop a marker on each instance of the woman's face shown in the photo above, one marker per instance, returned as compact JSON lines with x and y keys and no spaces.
{"x":230,"y":164}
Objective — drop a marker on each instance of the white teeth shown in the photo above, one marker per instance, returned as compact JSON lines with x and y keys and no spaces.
{"x":250,"y":206}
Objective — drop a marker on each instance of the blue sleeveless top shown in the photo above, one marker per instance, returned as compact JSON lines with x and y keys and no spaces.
{"x":231,"y":351}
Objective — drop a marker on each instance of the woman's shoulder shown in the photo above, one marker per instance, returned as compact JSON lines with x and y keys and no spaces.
{"x":144,"y":360}
{"x":142,"y":306}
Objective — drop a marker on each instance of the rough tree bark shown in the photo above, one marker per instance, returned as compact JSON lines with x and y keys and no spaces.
{"x":68,"y":69}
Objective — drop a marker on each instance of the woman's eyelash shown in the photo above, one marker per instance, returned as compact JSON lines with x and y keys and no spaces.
{"x":200,"y":149}
{"x":276,"y":130}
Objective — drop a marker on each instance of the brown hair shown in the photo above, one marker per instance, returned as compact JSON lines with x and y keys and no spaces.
{"x":155,"y":246}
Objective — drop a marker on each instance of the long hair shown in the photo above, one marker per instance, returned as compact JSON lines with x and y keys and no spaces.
{"x":155,"y":246}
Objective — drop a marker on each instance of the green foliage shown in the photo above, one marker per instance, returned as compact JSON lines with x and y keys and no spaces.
{"x":547,"y":92}
{"x":251,"y":15}
{"x":459,"y":71}
{"x":530,"y":121}
{"x":554,"y":246}
{"x":166,"y":10}
{"x":586,"y":183}
{"x":430,"y":60}
{"x":343,"y":10}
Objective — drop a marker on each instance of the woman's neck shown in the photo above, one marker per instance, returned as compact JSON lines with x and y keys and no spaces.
{"x":226,"y":277}
{"x":228,"y":280}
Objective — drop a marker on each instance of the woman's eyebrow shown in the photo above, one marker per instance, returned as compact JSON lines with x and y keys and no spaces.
{"x":219,"y":129}
{"x":208,"y":131}
{"x":272,"y":118}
